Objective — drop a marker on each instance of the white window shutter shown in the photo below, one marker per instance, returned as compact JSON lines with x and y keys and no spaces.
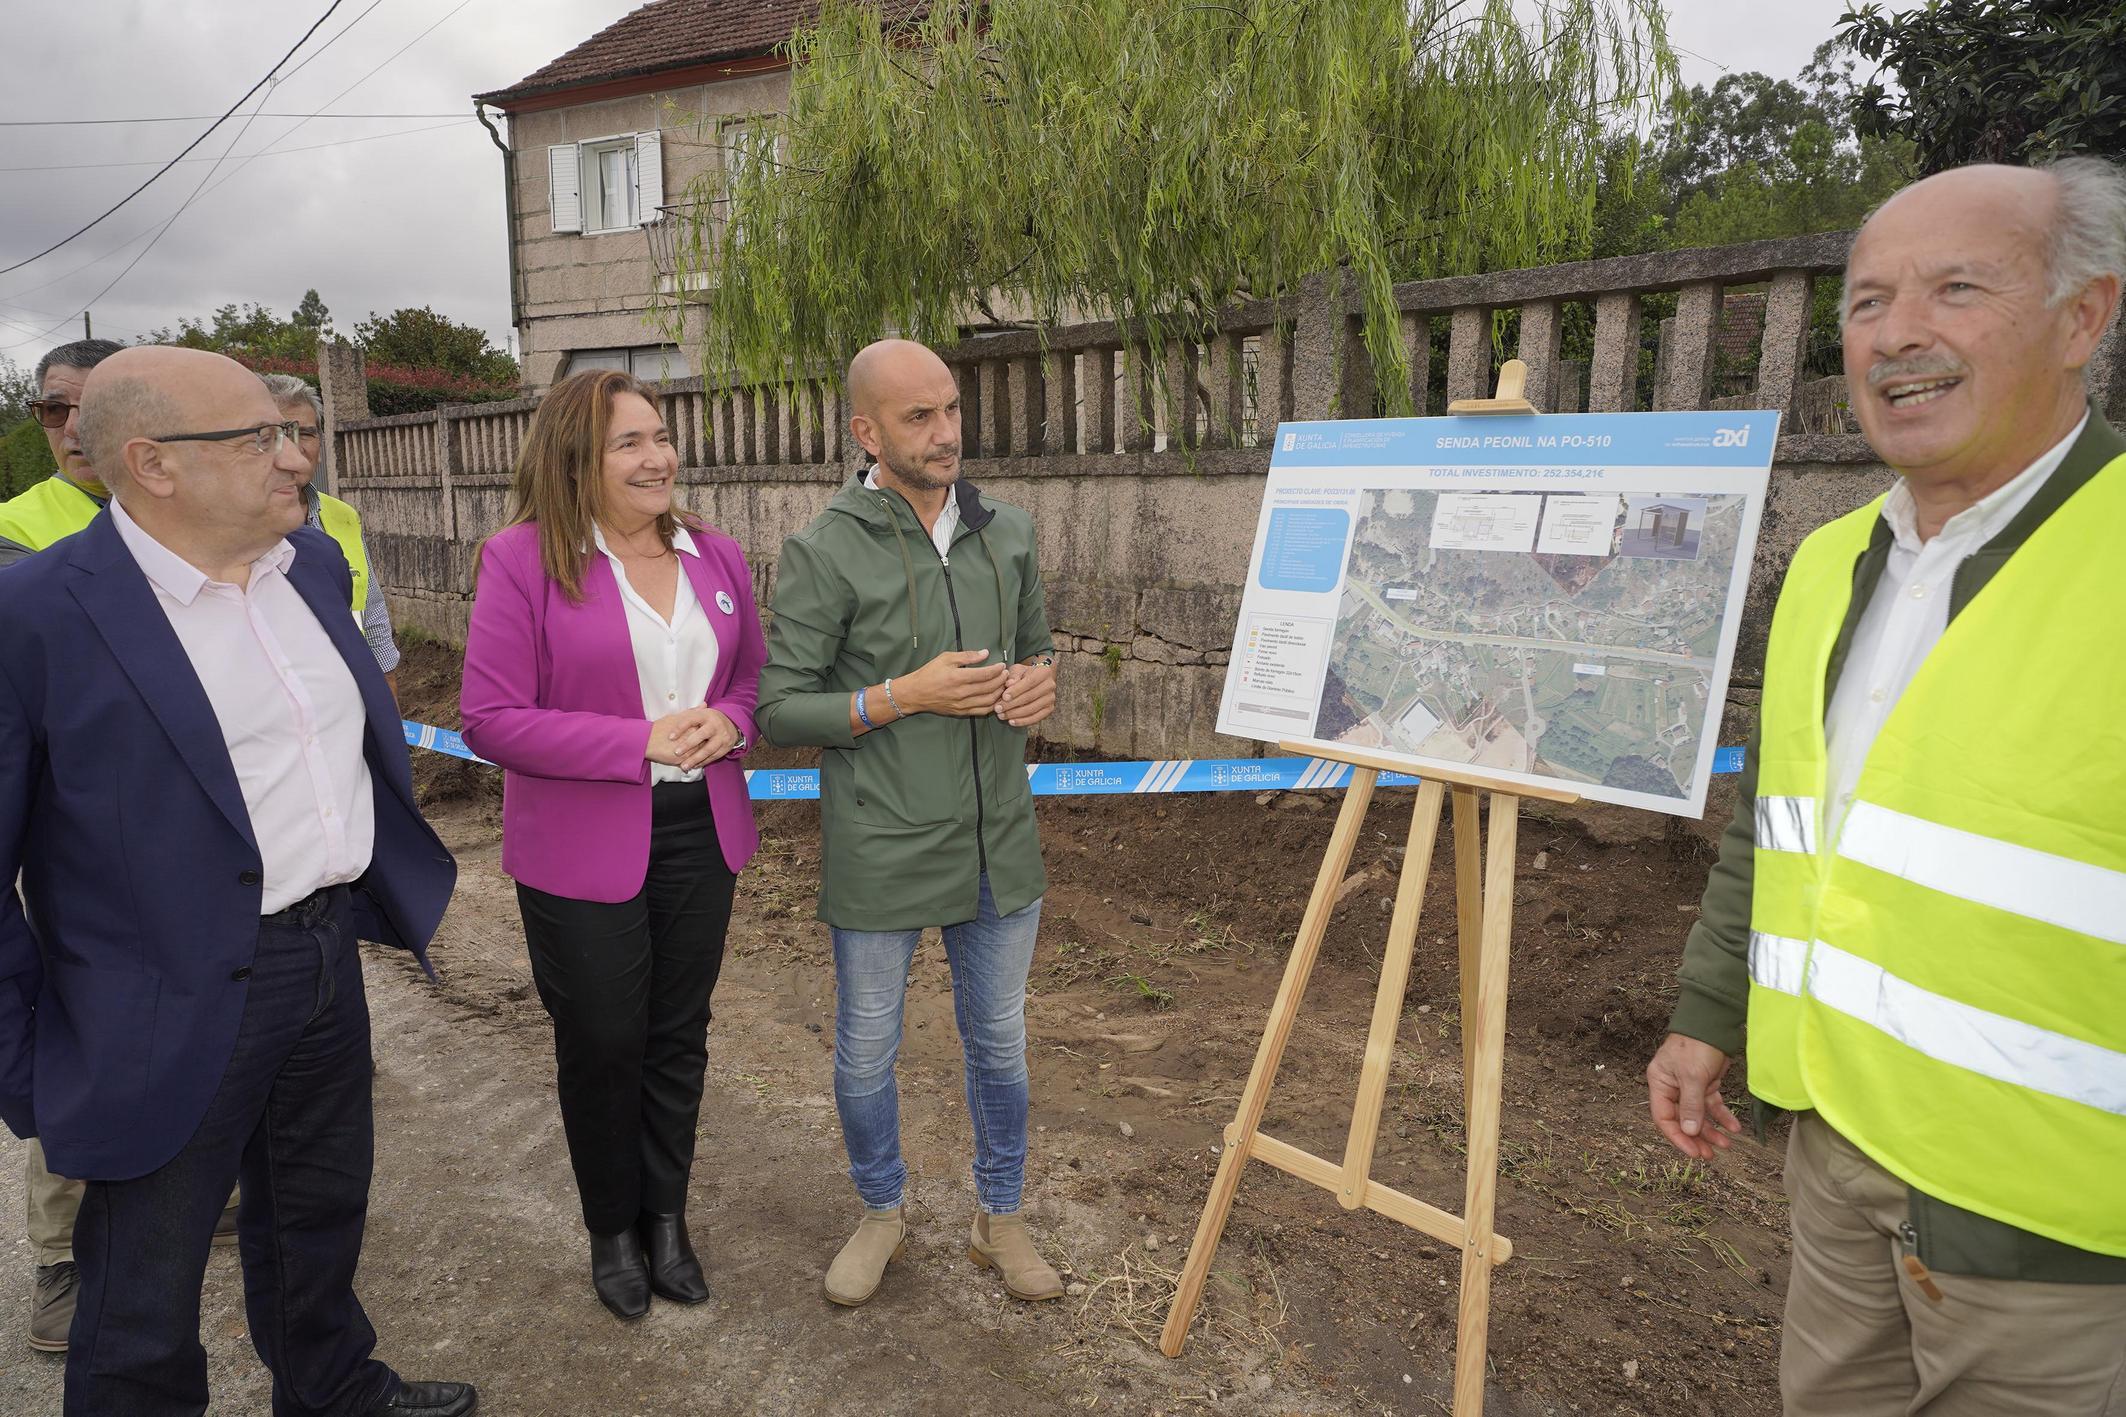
{"x":565,"y":184}
{"x":649,"y":176}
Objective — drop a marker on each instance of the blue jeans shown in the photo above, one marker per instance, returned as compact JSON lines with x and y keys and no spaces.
{"x":989,"y":957}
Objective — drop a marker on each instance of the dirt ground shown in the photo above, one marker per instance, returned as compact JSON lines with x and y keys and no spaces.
{"x":1640,"y":1283}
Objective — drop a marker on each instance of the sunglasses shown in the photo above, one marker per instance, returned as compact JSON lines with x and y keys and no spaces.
{"x":52,"y":413}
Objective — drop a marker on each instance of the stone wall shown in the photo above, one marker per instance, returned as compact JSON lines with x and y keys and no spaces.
{"x":1146,"y":504}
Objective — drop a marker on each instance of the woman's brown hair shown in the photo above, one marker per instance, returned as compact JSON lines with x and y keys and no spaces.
{"x":560,"y":470}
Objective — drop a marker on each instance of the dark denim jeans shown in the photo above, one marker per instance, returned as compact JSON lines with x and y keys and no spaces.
{"x":292,"y":1118}
{"x":989,"y":957}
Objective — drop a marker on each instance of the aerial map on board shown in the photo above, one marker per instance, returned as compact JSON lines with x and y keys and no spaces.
{"x":1540,"y":601}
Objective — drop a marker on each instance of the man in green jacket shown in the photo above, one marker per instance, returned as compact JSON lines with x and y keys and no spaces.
{"x":911,"y":645}
{"x":1916,"y":910}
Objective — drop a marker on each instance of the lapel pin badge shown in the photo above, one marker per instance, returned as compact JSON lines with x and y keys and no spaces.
{"x":723,"y":602}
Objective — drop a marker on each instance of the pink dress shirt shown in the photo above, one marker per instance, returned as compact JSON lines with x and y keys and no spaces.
{"x":289,"y":710}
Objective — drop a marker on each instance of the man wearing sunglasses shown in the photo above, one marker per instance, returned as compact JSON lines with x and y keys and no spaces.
{"x":206,"y":801}
{"x":68,"y":500}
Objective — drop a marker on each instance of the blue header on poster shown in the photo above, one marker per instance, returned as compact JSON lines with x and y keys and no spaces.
{"x":1593,"y":441}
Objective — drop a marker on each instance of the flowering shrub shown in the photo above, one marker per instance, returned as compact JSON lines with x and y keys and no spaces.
{"x":397,"y":390}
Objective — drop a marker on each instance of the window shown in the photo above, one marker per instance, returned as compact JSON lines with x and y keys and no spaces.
{"x":746,"y":143}
{"x":608,"y":184}
{"x":645,"y":361}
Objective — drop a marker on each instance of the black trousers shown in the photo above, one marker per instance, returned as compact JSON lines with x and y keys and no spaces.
{"x":292,"y":1118}
{"x":627,"y":986}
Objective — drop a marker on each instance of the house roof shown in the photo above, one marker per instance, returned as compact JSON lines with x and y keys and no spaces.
{"x":677,"y":34}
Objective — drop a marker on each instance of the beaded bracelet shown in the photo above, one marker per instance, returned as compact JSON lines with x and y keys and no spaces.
{"x":861,"y":716}
{"x":892,"y":702}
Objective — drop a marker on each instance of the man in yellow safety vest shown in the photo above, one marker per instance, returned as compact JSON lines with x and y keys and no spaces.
{"x":1918,"y":918}
{"x":70,"y":498}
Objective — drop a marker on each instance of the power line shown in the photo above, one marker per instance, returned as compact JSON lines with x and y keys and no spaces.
{"x":262,"y":152}
{"x":112,"y":284}
{"x":263,"y":81}
{"x":388,"y":59}
{"x":201,"y":117}
{"x":203,"y":189}
{"x":330,"y":42}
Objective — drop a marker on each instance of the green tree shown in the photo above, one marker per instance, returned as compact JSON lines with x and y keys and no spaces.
{"x":1993,"y":80}
{"x":25,"y":458}
{"x":311,"y":313}
{"x":1754,"y":157}
{"x":17,"y":387}
{"x":248,"y":333}
{"x":1153,"y":160}
{"x":419,"y":338}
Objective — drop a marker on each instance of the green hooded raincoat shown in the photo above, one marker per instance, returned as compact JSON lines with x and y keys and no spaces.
{"x":912,"y":813}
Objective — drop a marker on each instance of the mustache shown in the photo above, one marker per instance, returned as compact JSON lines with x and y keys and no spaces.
{"x":1917,"y":366}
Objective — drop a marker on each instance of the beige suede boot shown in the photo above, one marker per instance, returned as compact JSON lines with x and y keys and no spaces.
{"x":858,"y":1270}
{"x":1001,"y":1242}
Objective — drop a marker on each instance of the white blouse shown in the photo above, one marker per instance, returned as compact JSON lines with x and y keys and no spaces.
{"x":673,"y":660}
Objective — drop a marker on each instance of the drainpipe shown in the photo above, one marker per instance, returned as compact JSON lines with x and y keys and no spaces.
{"x":509,"y":217}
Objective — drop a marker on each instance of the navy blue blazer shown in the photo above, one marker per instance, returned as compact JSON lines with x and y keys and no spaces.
{"x":124,"y":951}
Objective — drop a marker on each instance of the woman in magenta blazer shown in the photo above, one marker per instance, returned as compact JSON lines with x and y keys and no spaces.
{"x":611,"y":668}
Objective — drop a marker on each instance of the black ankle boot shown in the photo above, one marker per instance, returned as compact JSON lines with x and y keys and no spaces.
{"x":674,"y":1272}
{"x":618,"y":1274}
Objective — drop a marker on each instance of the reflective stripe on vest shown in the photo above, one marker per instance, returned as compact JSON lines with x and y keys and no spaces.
{"x":1944,"y":977}
{"x":344,"y":525}
{"x":51,"y":511}
{"x":1992,"y":1045}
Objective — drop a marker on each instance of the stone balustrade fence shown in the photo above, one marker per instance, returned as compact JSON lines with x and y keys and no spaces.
{"x":1144,"y":472}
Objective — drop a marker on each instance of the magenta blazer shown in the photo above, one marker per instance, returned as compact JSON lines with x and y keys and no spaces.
{"x":552,"y":695}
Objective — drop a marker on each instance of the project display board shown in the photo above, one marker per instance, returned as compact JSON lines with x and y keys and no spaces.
{"x":1546,"y":598}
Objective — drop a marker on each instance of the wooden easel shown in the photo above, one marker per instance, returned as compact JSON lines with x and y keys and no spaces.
{"x":1483,"y":878}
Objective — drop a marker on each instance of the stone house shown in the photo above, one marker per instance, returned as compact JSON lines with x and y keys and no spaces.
{"x":601,"y":142}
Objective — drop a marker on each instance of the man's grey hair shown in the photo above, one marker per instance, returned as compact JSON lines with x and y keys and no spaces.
{"x":81,"y":354}
{"x":114,"y":414}
{"x":287,"y":389}
{"x":2089,"y":229}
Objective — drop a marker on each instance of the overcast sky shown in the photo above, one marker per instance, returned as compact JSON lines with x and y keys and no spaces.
{"x":398,"y":210}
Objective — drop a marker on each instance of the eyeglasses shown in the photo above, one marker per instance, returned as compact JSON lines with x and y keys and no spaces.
{"x":52,"y":413}
{"x":263,"y":441}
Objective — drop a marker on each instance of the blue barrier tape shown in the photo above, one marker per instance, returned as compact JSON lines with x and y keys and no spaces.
{"x":1075,"y":779}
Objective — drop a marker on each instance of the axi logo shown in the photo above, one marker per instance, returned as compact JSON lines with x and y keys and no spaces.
{"x":1290,"y":440}
{"x":1731,"y":437}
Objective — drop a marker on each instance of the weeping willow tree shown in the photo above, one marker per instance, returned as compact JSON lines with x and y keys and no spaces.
{"x":1151,"y":161}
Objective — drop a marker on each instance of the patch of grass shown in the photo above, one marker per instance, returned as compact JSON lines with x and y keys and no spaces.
{"x":1149,"y":992}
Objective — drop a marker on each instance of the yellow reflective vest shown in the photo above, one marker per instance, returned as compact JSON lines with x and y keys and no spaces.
{"x":55,"y":509}
{"x":344,"y":525}
{"x":1944,"y":977}
{"x":51,"y":511}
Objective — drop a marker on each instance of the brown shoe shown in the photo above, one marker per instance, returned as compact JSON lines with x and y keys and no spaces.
{"x":1001,"y":1242}
{"x":860,"y":1268}
{"x":52,"y":1306}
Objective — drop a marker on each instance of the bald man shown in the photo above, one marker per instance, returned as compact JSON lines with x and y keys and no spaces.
{"x":204,"y":796}
{"x":910,"y":644}
{"x":1918,"y":918}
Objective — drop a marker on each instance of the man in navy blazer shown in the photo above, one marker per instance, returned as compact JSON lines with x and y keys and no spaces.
{"x":205,"y":791}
